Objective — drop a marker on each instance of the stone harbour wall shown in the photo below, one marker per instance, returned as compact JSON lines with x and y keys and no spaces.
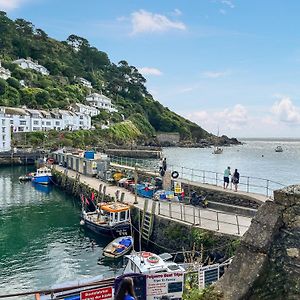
{"x":267,"y":262}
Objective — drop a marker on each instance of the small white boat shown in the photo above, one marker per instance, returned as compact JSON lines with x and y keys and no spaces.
{"x":218,"y":150}
{"x":150,"y":263}
{"x":118,"y":247}
{"x":278,"y":149}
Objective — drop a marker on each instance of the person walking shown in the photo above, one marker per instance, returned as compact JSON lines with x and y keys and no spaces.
{"x":235,"y":179}
{"x":126,"y":291}
{"x":226,"y":177}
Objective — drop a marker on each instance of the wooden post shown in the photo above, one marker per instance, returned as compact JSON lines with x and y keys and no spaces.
{"x":170,"y":210}
{"x":135,"y":184}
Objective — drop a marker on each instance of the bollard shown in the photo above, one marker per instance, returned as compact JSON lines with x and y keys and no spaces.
{"x":122,"y":197}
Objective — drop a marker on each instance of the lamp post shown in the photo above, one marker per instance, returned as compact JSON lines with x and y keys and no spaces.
{"x":135,"y":184}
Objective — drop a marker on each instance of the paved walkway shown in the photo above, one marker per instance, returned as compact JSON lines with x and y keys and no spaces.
{"x":218,"y":221}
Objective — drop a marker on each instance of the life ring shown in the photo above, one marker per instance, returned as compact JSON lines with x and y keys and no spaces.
{"x":153,"y":259}
{"x":146,"y":254}
{"x":174,"y":174}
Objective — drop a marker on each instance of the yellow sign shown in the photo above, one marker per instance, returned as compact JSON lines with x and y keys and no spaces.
{"x":177,"y":187}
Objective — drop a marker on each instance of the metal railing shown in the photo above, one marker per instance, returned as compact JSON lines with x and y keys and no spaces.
{"x":248,"y":184}
{"x":209,"y":219}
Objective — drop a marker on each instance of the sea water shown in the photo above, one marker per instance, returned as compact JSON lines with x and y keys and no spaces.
{"x":41,"y":241}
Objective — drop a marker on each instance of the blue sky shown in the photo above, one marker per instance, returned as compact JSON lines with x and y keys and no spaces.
{"x":228,"y":63}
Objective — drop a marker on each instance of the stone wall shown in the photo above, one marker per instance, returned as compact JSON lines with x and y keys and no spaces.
{"x":267,"y":262}
{"x":223,"y":197}
{"x":171,"y":138}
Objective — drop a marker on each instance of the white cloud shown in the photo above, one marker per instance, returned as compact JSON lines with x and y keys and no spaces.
{"x":229,"y":119}
{"x":144,"y":21}
{"x":150,"y":71}
{"x":10,"y":4}
{"x":285,"y":111}
{"x":228,"y":3}
{"x":215,"y":74}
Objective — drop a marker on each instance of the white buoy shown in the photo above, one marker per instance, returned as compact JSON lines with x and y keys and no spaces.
{"x":81,"y":222}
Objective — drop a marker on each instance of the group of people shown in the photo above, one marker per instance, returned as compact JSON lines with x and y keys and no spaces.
{"x":235,"y":178}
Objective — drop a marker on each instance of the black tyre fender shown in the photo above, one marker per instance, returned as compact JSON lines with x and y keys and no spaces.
{"x":174,"y":174}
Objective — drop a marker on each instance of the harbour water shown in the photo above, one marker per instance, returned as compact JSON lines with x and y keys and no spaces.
{"x":41,"y":242}
{"x":255,"y":158}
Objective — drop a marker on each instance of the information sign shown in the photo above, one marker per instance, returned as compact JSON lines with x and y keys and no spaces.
{"x":165,"y":284}
{"x":97,"y":294}
{"x":177,"y":187}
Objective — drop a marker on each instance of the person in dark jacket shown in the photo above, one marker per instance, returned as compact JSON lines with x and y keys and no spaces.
{"x":235,"y":179}
{"x":126,"y":291}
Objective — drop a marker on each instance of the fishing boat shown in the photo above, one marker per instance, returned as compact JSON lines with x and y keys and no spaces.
{"x":112,"y":219}
{"x":278,"y":149}
{"x":217,"y":150}
{"x":150,"y":263}
{"x":42,"y":176}
{"x":118,"y":247}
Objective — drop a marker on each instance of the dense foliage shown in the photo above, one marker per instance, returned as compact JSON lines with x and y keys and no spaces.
{"x":73,"y":58}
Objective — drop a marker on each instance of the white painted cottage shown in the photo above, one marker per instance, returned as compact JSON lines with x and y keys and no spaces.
{"x":101,"y":102}
{"x":85,"y":109}
{"x":5,"y":132}
{"x":4,"y":73}
{"x":30,"y":64}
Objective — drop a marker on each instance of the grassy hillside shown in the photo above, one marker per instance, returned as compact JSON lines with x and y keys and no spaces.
{"x":73,"y":58}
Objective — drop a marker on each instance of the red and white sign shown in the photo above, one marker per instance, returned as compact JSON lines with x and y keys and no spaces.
{"x":165,"y":284}
{"x":97,"y":294}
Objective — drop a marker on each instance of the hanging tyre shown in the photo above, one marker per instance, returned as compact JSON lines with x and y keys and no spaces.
{"x":174,"y":174}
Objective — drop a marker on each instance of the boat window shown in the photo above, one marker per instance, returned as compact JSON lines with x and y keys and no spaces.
{"x":173,"y":267}
{"x":122,"y":215}
{"x":112,"y":217}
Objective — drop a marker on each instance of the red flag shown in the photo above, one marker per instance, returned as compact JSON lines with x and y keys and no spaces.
{"x":93,"y":196}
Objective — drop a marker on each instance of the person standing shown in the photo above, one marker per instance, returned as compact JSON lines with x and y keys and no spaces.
{"x":226,"y":177}
{"x":164,"y":164}
{"x":126,"y":291}
{"x":235,"y":179}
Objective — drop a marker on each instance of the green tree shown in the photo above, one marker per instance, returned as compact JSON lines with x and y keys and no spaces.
{"x":3,"y":86}
{"x":13,"y":82}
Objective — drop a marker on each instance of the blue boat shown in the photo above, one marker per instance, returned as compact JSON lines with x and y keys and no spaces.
{"x":42,"y":176}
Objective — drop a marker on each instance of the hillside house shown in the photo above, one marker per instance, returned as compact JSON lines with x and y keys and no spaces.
{"x":4,"y":73}
{"x":85,"y":109}
{"x":30,"y":64}
{"x":85,"y":82}
{"x":5,"y":132}
{"x":101,"y":102}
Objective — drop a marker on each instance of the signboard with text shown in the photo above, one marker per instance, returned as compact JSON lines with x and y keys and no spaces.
{"x":165,"y":284}
{"x":97,"y":294}
{"x":177,"y":187}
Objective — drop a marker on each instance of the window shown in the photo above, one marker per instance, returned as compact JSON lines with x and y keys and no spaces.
{"x":20,"y":129}
{"x":57,"y":123}
{"x":81,"y":117}
{"x":43,"y":123}
{"x":122,"y":215}
{"x":11,"y":121}
{"x":36,"y":128}
{"x":36,"y":122}
{"x":81,"y":123}
{"x":48,"y":123}
{"x":3,"y":137}
{"x":3,"y":122}
{"x":3,"y":129}
{"x":22,"y":122}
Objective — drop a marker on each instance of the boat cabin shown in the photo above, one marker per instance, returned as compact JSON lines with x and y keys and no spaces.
{"x":114,"y":213}
{"x":150,"y":263}
{"x":43,"y":172}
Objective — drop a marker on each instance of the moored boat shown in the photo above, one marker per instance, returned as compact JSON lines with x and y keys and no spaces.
{"x":278,"y":149}
{"x":217,"y":150}
{"x":118,"y":247}
{"x":150,"y":263}
{"x":112,"y":219}
{"x":42,"y":176}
